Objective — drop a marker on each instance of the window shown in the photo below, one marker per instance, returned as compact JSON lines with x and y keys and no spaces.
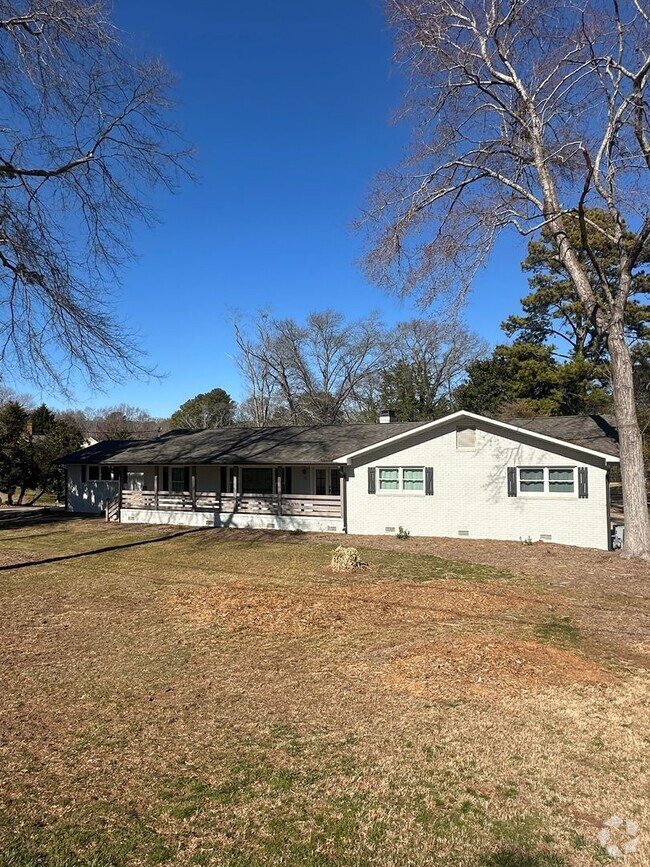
{"x":388,"y":479}
{"x":327,"y":482}
{"x":101,"y":473}
{"x":413,"y":480}
{"x":257,"y":480}
{"x":178,"y":479}
{"x":401,"y":479}
{"x":560,"y":481}
{"x":531,"y":481}
{"x":547,"y":480}
{"x":321,"y":481}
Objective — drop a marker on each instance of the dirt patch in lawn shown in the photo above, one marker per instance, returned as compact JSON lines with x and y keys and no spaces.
{"x":440,"y":669}
{"x":295,"y":611}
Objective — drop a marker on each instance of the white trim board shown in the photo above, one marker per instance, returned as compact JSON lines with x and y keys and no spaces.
{"x":463,"y":415}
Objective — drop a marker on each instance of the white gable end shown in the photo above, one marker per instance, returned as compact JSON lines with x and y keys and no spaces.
{"x":470,"y":487}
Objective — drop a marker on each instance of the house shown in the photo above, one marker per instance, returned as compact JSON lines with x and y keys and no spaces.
{"x":462,"y":475}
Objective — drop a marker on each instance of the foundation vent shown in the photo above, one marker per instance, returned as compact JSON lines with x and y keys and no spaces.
{"x":270,"y":526}
{"x":389,"y":529}
{"x":332,"y":529}
{"x":546,"y":537}
{"x":463,"y":532}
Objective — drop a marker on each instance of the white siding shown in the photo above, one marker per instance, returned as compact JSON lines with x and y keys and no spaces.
{"x":301,"y":480}
{"x":88,"y":497}
{"x":470,"y":492}
{"x":208,"y":478}
{"x":240,"y":521}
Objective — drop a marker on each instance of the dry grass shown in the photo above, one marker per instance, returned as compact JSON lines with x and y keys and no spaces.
{"x":221,"y":697}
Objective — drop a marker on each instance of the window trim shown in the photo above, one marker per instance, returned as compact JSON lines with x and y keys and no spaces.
{"x":399,"y":490}
{"x":547,"y":492}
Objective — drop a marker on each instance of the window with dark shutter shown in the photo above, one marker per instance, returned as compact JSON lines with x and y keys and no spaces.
{"x":583,"y":482}
{"x":372,"y":480}
{"x":428,"y":481}
{"x":512,"y":481}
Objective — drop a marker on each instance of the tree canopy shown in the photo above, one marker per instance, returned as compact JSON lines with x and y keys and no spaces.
{"x":553,"y":313}
{"x":215,"y":408}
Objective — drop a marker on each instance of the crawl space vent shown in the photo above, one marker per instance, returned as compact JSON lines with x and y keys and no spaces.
{"x":546,"y":537}
{"x":331,"y":529}
{"x":463,"y":532}
{"x":389,"y":529}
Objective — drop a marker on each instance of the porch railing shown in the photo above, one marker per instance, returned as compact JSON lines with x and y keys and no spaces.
{"x":303,"y":505}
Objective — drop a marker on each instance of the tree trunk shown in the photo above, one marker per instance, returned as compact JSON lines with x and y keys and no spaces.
{"x":635,"y":503}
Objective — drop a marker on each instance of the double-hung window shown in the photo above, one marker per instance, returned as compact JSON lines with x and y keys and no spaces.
{"x":547,"y":480}
{"x":407,"y":479}
{"x":178,"y":479}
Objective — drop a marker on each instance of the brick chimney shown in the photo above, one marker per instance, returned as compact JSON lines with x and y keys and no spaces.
{"x":386,"y":416}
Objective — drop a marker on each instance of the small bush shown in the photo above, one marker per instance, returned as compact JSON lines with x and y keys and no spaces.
{"x":346,"y":560}
{"x":402,"y":533}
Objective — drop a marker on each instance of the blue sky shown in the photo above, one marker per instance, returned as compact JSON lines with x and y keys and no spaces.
{"x":289,"y":106}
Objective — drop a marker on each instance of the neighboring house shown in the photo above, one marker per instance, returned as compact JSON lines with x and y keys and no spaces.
{"x":462,"y":475}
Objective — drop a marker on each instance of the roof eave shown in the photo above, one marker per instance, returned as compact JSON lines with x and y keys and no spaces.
{"x":471,"y":416}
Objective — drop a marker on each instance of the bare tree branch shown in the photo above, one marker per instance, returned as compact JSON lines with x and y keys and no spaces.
{"x":86,"y":137}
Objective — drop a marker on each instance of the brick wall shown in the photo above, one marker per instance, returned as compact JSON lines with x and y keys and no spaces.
{"x":471,"y":496}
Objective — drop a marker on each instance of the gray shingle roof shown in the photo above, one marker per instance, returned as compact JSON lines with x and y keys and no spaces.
{"x":314,"y":444}
{"x":104,"y":452}
{"x":244,"y":445}
{"x":597,"y":432}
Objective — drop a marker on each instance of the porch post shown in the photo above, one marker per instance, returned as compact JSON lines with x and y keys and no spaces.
{"x":155,"y":488}
{"x":234,"y":490}
{"x":344,"y":499}
{"x":193,"y":487}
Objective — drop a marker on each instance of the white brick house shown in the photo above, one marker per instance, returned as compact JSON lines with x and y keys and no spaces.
{"x":463,"y":475}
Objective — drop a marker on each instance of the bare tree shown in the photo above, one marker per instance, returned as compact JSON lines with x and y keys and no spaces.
{"x":263,"y":391}
{"x":428,"y":358}
{"x":85,"y":138}
{"x":526,"y":115}
{"x":308,"y":374}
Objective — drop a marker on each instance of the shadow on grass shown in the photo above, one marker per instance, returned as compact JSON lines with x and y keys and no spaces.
{"x":106,"y":549}
{"x":509,"y":857}
{"x":17,"y":518}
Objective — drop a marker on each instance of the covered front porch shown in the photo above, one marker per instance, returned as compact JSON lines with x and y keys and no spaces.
{"x":288,"y":497}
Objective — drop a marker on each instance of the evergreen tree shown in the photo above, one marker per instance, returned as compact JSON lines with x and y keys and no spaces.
{"x":213,"y":409}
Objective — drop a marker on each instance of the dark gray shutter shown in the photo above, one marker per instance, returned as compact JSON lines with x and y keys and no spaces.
{"x":287,"y":480}
{"x":372,"y":480}
{"x":583,"y":482}
{"x":186,"y":478}
{"x":428,"y":481}
{"x":512,"y":481}
{"x":165,"y":478}
{"x":223,"y":480}
{"x":84,"y":473}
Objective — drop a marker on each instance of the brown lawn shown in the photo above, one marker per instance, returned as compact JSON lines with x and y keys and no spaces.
{"x":222,"y":697}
